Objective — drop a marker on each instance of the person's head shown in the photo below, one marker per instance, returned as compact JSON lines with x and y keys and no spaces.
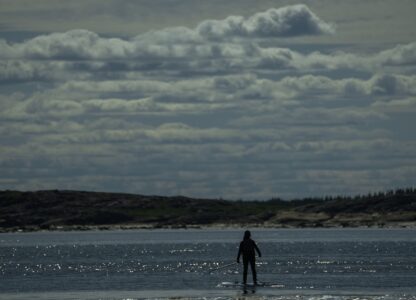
{"x":247,"y":234}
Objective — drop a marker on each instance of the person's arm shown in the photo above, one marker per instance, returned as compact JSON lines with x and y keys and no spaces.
{"x":239,"y":253}
{"x":257,"y":249}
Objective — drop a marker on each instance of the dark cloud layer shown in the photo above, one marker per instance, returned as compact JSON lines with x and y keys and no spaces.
{"x":219,"y":110}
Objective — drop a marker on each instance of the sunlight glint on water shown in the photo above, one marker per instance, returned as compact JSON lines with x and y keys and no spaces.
{"x":342,"y":264}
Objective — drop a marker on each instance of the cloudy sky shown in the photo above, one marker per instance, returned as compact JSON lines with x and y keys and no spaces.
{"x":237,"y":99}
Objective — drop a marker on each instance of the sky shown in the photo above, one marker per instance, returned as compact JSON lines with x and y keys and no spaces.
{"x":235,"y":99}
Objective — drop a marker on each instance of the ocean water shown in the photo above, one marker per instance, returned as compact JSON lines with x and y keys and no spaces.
{"x":296,"y":264}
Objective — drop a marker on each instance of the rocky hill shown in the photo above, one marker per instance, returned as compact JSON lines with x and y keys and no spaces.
{"x":66,"y":210}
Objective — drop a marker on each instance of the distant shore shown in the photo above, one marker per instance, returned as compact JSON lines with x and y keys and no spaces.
{"x":68,"y":228}
{"x":56,"y":210}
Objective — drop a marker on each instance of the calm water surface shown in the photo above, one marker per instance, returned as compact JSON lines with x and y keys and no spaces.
{"x":301,"y":263}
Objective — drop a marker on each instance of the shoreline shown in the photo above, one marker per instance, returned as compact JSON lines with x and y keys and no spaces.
{"x":219,"y":226}
{"x":54,"y":210}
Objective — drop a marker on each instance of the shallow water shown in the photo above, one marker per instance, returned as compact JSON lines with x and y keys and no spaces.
{"x":301,"y":263}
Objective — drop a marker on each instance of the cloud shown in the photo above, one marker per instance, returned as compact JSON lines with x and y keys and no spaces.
{"x":243,"y":93}
{"x":287,"y":21}
{"x":223,"y":101}
{"x":177,"y":42}
{"x":83,"y":54}
{"x":399,"y":55}
{"x":325,"y":88}
{"x":86,"y":45}
{"x":389,"y":85}
{"x":16,"y":70}
{"x":70,"y":45}
{"x":25,"y":71}
{"x":183,"y":61}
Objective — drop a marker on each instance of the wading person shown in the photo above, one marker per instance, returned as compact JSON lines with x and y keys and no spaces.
{"x":247,"y":249}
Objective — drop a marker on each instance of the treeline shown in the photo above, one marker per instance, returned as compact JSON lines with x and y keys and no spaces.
{"x":369,"y":196}
{"x":399,"y":200}
{"x":54,"y":209}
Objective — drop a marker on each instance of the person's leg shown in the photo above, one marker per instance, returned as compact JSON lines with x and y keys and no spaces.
{"x":253,"y":270}
{"x":245,"y":263}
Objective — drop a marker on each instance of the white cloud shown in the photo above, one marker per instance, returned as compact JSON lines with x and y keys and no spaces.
{"x":287,"y":21}
{"x":70,"y":45}
{"x":83,"y":54}
{"x":86,"y":45}
{"x":390,"y":85}
{"x":402,"y":56}
{"x":244,"y":93}
{"x":179,"y":42}
{"x":325,"y":88}
{"x":399,"y":55}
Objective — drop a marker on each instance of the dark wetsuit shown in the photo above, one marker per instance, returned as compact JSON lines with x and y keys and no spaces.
{"x":247,"y":247}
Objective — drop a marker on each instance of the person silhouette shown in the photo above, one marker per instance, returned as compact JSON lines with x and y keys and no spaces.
{"x":247,"y":247}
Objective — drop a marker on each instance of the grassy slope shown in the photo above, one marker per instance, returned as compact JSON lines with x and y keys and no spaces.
{"x":47,"y":209}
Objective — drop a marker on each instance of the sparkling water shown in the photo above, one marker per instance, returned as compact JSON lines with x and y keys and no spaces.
{"x":296,"y":264}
